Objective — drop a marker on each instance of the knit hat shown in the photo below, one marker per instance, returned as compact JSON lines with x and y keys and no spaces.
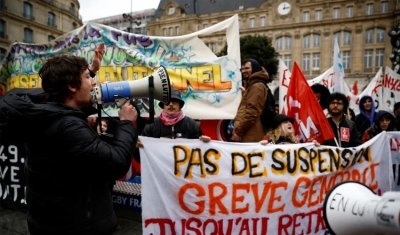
{"x":255,"y":66}
{"x":279,"y":118}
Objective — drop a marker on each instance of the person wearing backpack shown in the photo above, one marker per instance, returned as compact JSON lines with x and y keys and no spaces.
{"x":247,"y":123}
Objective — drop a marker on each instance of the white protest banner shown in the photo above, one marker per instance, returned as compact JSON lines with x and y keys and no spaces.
{"x":284,"y":75}
{"x":373,"y":89}
{"x":391,"y":89}
{"x":191,"y":187}
{"x":338,"y":75}
{"x":209,"y":84}
{"x":394,"y":141}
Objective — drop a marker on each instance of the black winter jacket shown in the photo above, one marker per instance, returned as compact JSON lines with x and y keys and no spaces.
{"x":68,"y":168}
{"x":186,"y":128}
{"x":346,"y":133}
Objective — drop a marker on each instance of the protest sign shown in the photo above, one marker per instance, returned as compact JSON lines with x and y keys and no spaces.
{"x":191,"y":187}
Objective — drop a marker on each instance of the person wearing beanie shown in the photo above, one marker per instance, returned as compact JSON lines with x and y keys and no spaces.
{"x":282,"y":132}
{"x":384,"y":121}
{"x":247,"y":123}
{"x":172,"y":122}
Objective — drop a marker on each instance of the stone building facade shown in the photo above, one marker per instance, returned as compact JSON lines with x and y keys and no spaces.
{"x":301,"y":31}
{"x":36,"y":21}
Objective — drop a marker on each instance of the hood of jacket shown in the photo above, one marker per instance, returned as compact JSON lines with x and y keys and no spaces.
{"x":263,"y":75}
{"x":22,"y":111}
{"x":362,"y":111}
{"x":380,"y":114}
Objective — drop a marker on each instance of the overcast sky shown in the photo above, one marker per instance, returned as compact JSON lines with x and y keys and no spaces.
{"x":95,"y":9}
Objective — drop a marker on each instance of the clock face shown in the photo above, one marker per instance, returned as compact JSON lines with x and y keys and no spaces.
{"x":284,"y":8}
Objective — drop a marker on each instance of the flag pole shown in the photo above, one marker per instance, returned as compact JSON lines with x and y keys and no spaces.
{"x":337,"y":144}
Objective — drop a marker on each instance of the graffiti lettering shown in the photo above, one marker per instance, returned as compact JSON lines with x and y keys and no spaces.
{"x":392,"y":83}
{"x":133,"y":39}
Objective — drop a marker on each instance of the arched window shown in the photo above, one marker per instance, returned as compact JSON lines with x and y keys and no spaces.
{"x":380,"y":35}
{"x":28,"y":11}
{"x":369,"y":36}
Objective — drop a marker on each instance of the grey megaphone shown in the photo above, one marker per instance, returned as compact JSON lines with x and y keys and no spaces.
{"x":119,"y":92}
{"x":352,"y":208}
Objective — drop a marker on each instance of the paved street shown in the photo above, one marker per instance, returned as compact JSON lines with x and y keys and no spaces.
{"x":14,"y":223}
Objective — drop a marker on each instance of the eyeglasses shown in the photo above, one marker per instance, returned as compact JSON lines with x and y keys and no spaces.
{"x":337,"y":103}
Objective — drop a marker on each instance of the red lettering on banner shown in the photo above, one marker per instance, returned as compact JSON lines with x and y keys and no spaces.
{"x":248,"y":226}
{"x":394,"y":144}
{"x":377,"y":85}
{"x":290,"y":224}
{"x":392,"y":83}
{"x":285,"y":79}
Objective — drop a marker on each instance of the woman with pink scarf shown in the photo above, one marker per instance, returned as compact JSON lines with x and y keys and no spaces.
{"x":172,"y":122}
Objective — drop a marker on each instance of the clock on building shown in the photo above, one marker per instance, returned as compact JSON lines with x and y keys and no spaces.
{"x":284,"y":8}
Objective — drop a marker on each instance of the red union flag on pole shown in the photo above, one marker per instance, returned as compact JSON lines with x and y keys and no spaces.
{"x":310,"y":121}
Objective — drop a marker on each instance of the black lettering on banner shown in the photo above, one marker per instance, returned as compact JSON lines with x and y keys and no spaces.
{"x":214,"y":167}
{"x":280,"y":165}
{"x":305,"y":167}
{"x":236,"y":171}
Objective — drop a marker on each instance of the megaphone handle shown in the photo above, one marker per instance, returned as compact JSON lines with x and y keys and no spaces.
{"x":151,"y":101}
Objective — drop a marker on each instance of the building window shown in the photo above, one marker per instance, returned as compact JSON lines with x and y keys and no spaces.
{"x":369,"y":10}
{"x":171,"y":10}
{"x":306,"y":41}
{"x":316,"y":59}
{"x":347,"y":38}
{"x":263,"y":22}
{"x":74,"y":25}
{"x":306,"y":16}
{"x":2,"y":4}
{"x":51,"y":19}
{"x":278,"y":43}
{"x":288,"y":43}
{"x":349,"y":11}
{"x":50,"y":38}
{"x":384,"y":7}
{"x":317,"y":40}
{"x":28,"y":11}
{"x":28,"y":35}
{"x":336,"y":13}
{"x":368,"y":58}
{"x":213,"y":47}
{"x":369,"y":36}
{"x":252,"y":22}
{"x":318,"y":15}
{"x":177,"y":30}
{"x":380,"y":35}
{"x":2,"y":53}
{"x":2,"y":29}
{"x":306,"y":61}
{"x":205,"y":26}
{"x":164,"y":30}
{"x":72,"y":9}
{"x":346,"y":59}
{"x":288,"y":61}
{"x":337,"y":35}
{"x":379,"y":57}
{"x":170,"y":31}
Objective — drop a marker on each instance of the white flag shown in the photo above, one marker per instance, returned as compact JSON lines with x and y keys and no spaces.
{"x":338,"y":75}
{"x":284,"y":80}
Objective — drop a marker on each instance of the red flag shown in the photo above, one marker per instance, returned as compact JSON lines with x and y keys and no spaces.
{"x":354,"y":89}
{"x":310,"y":121}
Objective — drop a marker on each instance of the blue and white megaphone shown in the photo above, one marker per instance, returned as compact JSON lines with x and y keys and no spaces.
{"x":119,"y":92}
{"x":352,"y":208}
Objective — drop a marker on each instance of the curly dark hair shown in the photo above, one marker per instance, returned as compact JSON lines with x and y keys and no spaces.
{"x":338,"y":96}
{"x":60,"y":72}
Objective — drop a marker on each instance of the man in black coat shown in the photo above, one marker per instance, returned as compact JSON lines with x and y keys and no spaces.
{"x":68,"y":168}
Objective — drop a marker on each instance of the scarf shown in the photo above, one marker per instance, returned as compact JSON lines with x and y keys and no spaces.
{"x":170,"y":120}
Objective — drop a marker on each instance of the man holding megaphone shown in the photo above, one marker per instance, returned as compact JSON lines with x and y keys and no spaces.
{"x":69,"y":167}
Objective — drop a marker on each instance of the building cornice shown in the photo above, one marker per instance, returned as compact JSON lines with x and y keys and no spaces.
{"x":7,"y":15}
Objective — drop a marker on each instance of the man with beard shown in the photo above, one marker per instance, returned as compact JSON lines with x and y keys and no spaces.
{"x":346,"y":134}
{"x":247,"y":123}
